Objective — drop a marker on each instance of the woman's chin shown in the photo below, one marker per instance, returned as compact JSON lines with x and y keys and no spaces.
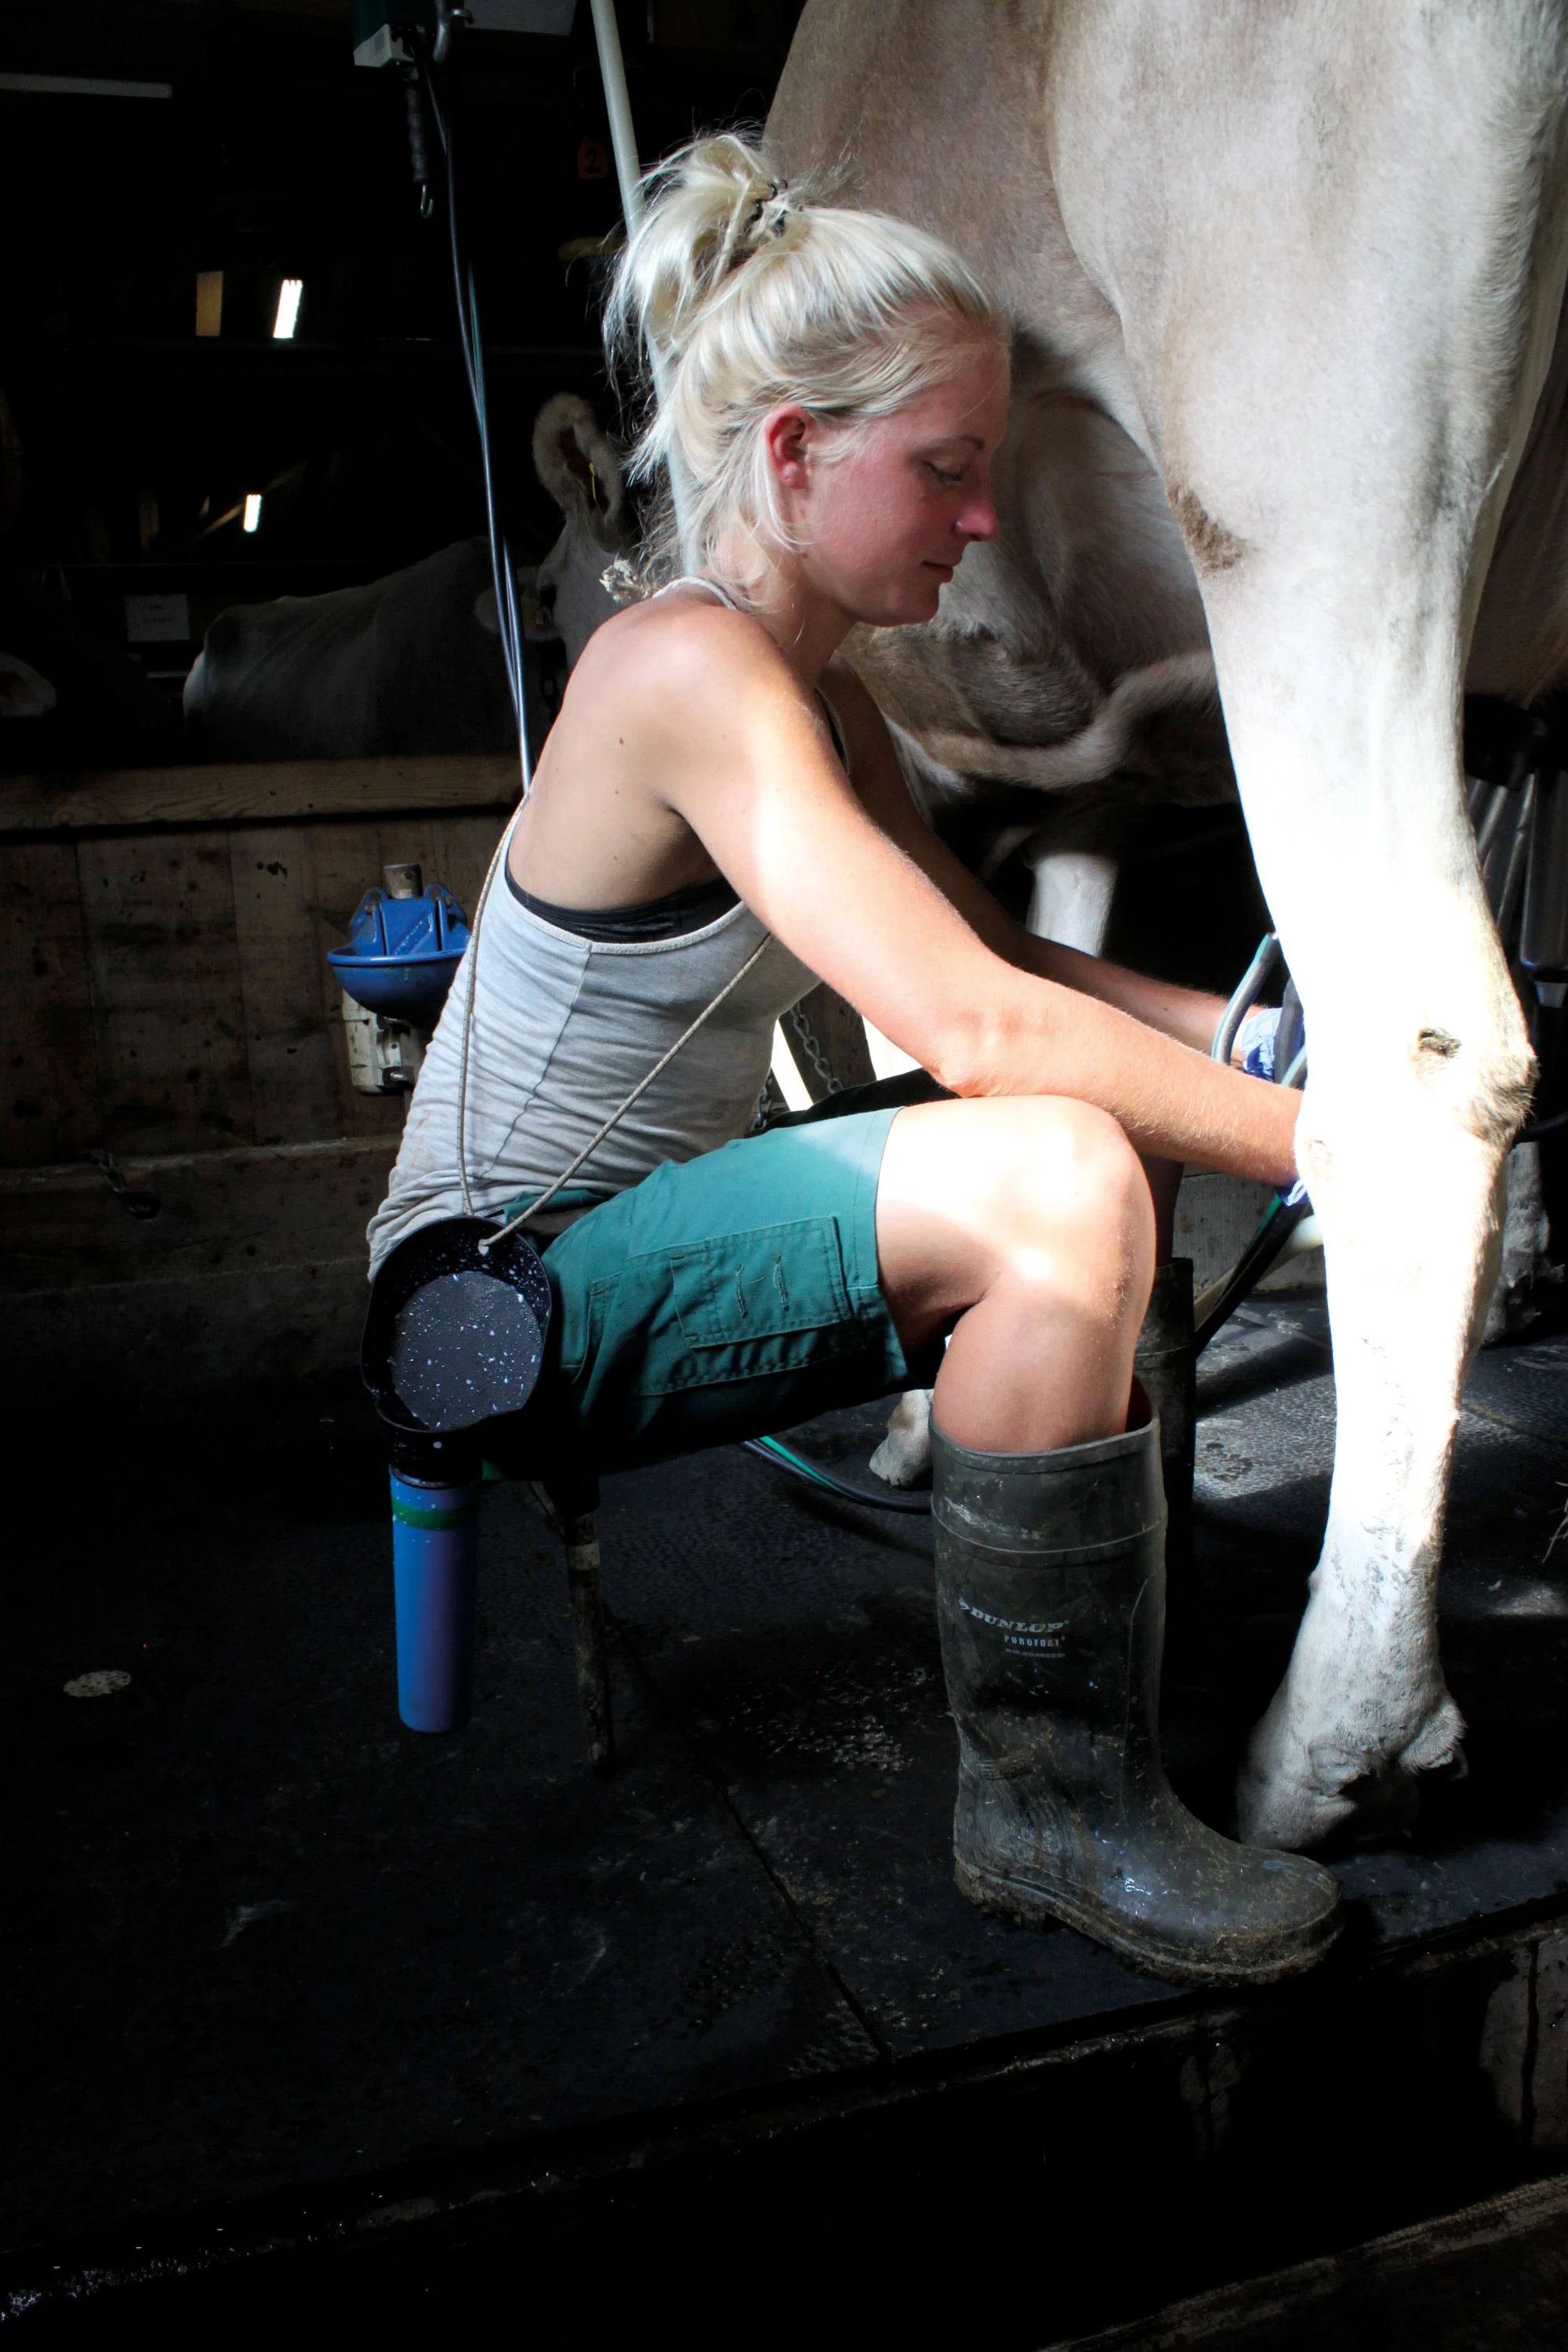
{"x":906,"y":608}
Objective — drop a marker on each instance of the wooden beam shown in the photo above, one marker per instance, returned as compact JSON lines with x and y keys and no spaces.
{"x":265,"y":792}
{"x":219,"y":1213}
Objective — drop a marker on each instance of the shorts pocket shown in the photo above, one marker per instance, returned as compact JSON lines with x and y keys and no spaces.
{"x":741,"y":1307}
{"x":764,"y":1285}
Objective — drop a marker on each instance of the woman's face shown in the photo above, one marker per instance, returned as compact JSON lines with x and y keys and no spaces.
{"x":882,"y":524}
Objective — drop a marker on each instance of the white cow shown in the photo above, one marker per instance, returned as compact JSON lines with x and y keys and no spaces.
{"x":581,"y":468}
{"x":1290,"y":391}
{"x":411,"y":663}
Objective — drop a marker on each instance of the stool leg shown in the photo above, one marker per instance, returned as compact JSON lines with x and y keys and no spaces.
{"x":575,"y":1508}
{"x":1167,"y":1365}
{"x":435,"y":1566}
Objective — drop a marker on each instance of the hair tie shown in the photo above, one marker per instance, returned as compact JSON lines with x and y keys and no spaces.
{"x":778,"y":189}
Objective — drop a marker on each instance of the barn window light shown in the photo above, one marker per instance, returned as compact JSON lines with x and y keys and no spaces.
{"x":82,"y":85}
{"x":288,"y":295}
{"x":252,"y":519}
{"x":209,"y":302}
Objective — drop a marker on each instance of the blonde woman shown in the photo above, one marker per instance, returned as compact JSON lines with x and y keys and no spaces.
{"x":718,"y":807}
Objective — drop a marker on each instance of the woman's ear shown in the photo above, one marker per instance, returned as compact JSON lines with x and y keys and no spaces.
{"x":784,"y":436}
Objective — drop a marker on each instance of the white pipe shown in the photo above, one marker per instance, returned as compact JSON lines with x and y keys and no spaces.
{"x":618,"y":104}
{"x":628,"y":172}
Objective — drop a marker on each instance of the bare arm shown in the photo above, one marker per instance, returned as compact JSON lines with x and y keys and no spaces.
{"x":911,"y":939}
{"x":1188,"y":1014}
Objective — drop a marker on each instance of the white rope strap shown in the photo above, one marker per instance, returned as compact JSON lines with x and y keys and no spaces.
{"x":501,"y":847}
{"x":616,"y":1116}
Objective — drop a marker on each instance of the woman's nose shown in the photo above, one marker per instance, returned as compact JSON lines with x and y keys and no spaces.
{"x":978,"y":519}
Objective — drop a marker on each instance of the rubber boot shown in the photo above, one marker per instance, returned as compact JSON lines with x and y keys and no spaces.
{"x":1050,"y":1598}
{"x":1167,"y":1363}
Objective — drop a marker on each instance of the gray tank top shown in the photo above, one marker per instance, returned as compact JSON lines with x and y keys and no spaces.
{"x":564,"y":1028}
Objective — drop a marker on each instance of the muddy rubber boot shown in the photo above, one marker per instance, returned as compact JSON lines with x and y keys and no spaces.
{"x":1167,"y":1364}
{"x":1050,"y":1599}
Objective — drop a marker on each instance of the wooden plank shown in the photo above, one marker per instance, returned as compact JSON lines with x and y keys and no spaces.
{"x":299,"y":1088}
{"x":219,"y":1213}
{"x":49,"y":1104}
{"x":1471,"y":2280}
{"x":264,"y":790}
{"x":254,"y":1270}
{"x":168,"y":1012}
{"x":461,"y":848}
{"x":140,"y":1348}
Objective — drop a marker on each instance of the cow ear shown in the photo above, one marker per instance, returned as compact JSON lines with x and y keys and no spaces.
{"x":575,"y":459}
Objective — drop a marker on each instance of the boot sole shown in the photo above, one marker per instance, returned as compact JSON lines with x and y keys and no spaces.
{"x":1031,"y":1905}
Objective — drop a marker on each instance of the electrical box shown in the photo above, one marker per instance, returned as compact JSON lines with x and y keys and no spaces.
{"x":371,"y":22}
{"x":384,"y":1055}
{"x":377,"y":42}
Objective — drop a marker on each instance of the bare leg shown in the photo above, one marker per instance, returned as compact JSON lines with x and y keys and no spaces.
{"x":1031,"y":1222}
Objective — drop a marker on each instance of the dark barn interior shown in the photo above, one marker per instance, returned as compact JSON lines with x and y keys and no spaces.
{"x":318,"y":2020}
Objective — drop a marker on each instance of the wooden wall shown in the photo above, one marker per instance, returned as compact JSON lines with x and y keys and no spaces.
{"x":165,"y":997}
{"x":163,"y":981}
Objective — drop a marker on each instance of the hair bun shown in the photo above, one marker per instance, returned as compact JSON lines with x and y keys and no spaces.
{"x":710,"y":208}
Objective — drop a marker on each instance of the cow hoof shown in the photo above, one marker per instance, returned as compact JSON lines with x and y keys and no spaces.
{"x":1277,"y":1810}
{"x":1302,"y":1795}
{"x":903,"y":1458}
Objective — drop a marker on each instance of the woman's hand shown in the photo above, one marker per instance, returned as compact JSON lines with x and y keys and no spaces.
{"x":1254,"y":1048}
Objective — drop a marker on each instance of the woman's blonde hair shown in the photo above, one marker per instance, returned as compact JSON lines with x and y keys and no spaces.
{"x":743,"y":294}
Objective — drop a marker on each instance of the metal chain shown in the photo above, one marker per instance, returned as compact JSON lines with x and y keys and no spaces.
{"x":814,"y":1049}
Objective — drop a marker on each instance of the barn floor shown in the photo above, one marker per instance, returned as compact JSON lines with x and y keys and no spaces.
{"x":309,"y":2005}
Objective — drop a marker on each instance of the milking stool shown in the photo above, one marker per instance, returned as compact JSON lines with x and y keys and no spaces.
{"x":434,"y":1550}
{"x":572,"y":1506}
{"x":454,"y":1343}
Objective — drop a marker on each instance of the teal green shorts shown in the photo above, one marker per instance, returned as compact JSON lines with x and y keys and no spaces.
{"x":718,"y":1299}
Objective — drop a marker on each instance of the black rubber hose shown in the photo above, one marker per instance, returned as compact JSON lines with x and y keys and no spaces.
{"x":1254,"y":1263}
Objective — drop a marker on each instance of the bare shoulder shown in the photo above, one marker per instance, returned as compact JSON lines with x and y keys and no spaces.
{"x":673,"y":655}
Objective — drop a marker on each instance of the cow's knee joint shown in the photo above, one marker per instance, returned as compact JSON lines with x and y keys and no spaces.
{"x":1484,"y":1086}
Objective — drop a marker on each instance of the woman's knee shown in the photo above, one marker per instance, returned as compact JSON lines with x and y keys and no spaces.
{"x":1071,"y":1172}
{"x":1028,"y":1178}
